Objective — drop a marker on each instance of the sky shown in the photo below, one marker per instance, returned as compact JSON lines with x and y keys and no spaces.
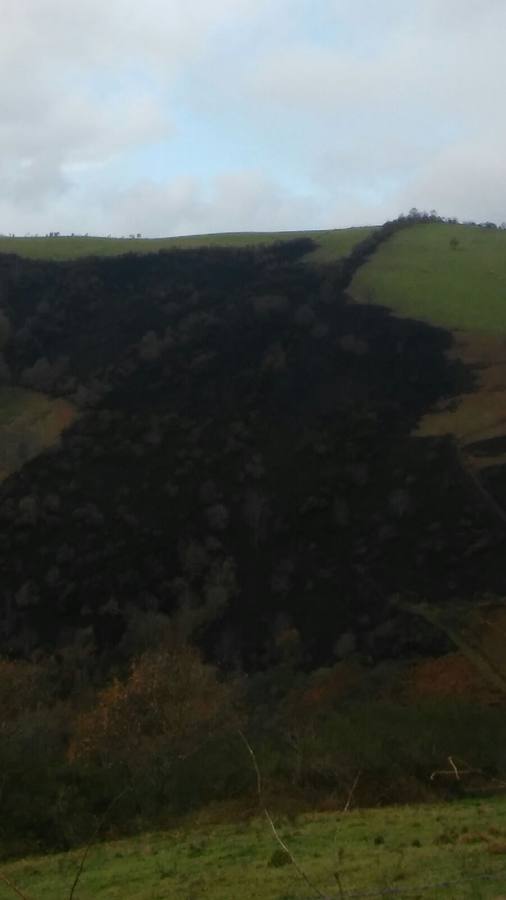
{"x":166,"y":117}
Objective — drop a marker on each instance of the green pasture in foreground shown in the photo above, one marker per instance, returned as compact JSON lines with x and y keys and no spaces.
{"x":332,"y":244}
{"x":418,"y":274}
{"x":453,"y":851}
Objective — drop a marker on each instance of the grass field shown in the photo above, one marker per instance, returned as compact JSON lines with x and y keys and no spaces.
{"x":451,"y":851}
{"x":29,"y":422}
{"x":332,"y":244}
{"x":418,"y":274}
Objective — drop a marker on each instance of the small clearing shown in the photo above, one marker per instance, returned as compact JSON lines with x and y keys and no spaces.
{"x":29,"y":423}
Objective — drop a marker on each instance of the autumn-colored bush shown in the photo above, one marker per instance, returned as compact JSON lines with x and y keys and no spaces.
{"x":170,"y":702}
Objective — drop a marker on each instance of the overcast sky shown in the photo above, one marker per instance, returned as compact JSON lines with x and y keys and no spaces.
{"x":185,"y":116}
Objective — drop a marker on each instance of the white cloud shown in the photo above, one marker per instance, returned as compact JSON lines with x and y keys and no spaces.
{"x":309,"y":112}
{"x":244,"y":200}
{"x":414,"y":118}
{"x":40,"y":156}
{"x":233,"y":201}
{"x":85,"y":82}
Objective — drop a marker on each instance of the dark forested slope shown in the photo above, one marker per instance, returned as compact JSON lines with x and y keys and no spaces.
{"x":243,"y":460}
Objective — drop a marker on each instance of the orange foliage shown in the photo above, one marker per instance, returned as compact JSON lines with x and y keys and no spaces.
{"x":170,"y":700}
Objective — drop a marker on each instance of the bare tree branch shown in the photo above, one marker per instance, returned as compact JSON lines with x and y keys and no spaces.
{"x":251,"y":752}
{"x":352,"y":791}
{"x":14,"y":888}
{"x":458,"y":773}
{"x":268,"y":816}
{"x":454,"y":767}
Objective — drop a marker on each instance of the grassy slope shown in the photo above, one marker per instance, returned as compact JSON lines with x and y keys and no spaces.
{"x":419,"y":275}
{"x":29,"y":422}
{"x":400,"y":848}
{"x":333,"y":244}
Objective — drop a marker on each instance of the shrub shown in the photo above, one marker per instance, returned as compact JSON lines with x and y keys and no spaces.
{"x":170,"y":704}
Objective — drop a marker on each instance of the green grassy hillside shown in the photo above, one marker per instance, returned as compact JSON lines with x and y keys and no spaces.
{"x":332,"y":244}
{"x":453,"y":276}
{"x":419,"y":274}
{"x":452,"y":851}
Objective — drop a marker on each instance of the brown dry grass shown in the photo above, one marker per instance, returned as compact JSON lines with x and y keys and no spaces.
{"x":452,"y":676}
{"x":481,"y":414}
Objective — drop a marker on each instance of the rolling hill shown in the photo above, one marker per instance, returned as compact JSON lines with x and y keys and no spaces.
{"x":331,"y":245}
{"x":257,"y":487}
{"x":451,"y":275}
{"x":244,"y":454}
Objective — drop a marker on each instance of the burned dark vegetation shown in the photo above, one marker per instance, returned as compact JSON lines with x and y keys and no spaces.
{"x":240,"y":533}
{"x":243,"y":461}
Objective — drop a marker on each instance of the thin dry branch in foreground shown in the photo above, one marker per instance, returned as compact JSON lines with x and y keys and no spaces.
{"x":272,"y":826}
{"x":13,"y":887}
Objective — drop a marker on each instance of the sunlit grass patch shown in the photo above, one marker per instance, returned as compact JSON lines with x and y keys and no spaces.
{"x":418,"y":274}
